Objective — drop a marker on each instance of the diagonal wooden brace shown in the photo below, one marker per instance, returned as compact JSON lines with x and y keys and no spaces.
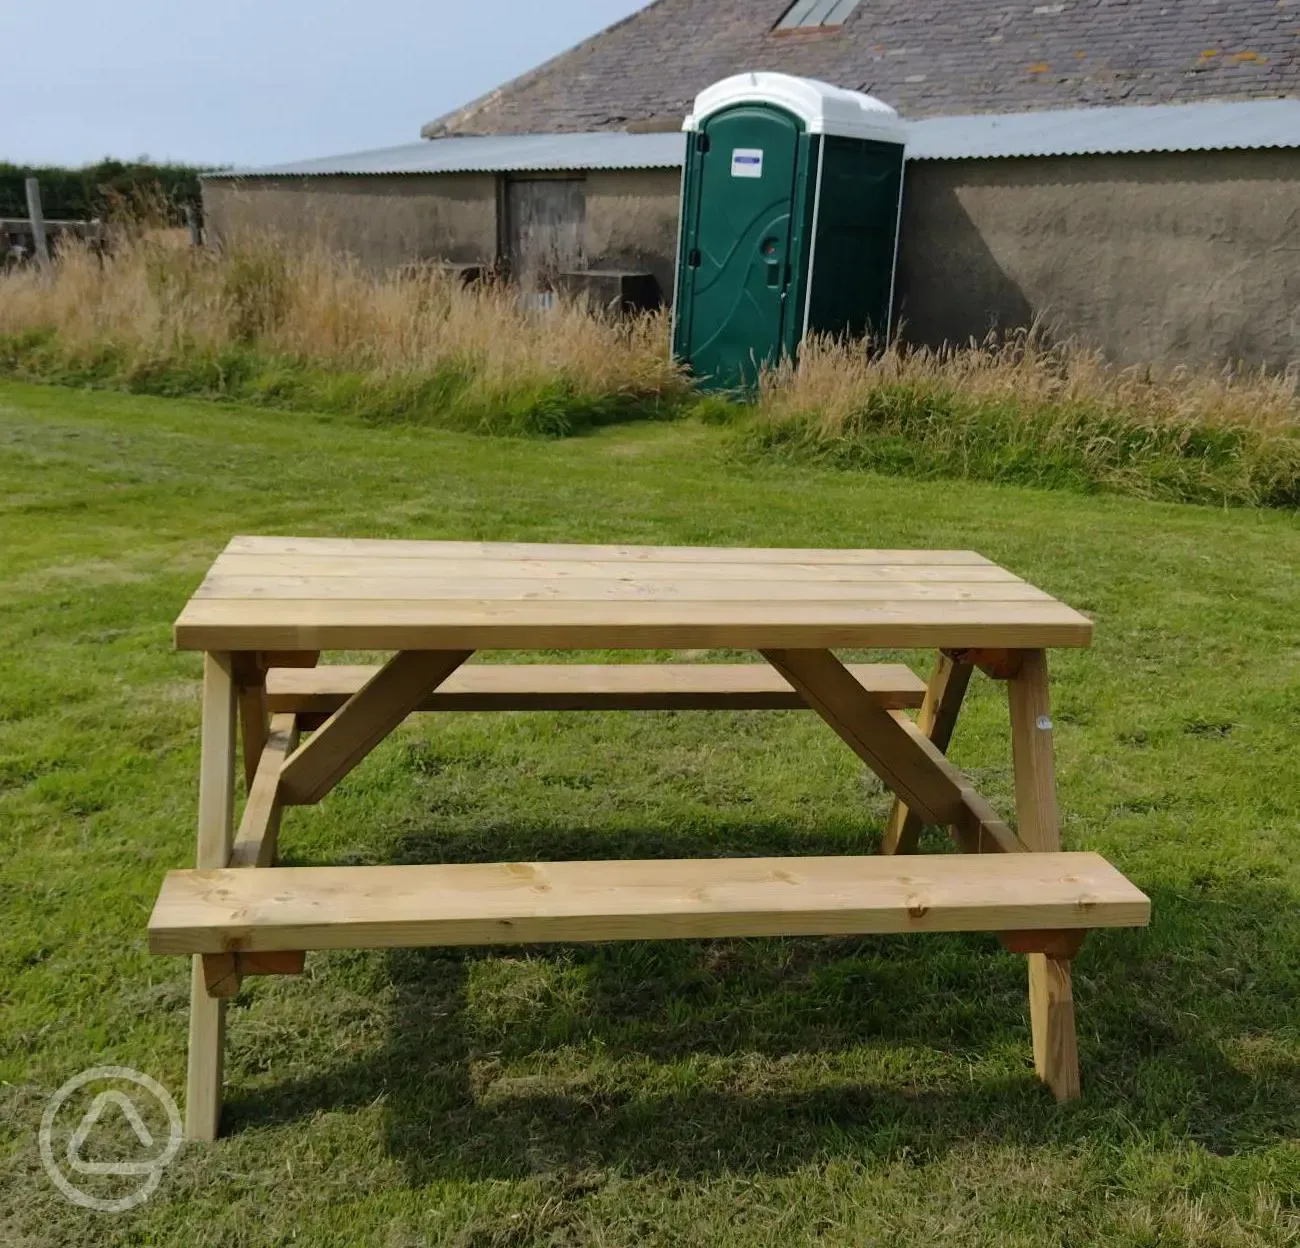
{"x":937,"y":719}
{"x":259,"y":829}
{"x":363,"y":721}
{"x":895,"y":749}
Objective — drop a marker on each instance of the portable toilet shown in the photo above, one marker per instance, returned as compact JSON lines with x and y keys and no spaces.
{"x":790,"y":212}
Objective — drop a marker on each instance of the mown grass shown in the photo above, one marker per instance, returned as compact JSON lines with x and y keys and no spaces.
{"x":302,"y":329}
{"x":777,"y":1092}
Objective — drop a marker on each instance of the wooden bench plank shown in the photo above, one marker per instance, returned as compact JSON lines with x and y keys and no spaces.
{"x":591,"y":687}
{"x":290,"y":909}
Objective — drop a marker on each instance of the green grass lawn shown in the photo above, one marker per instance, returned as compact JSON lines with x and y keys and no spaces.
{"x":849,"y":1092}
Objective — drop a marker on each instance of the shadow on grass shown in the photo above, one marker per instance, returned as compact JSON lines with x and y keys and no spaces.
{"x":760,"y":1056}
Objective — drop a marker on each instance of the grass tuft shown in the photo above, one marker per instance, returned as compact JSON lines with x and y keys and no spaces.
{"x":1028,"y":412}
{"x":304,"y":329}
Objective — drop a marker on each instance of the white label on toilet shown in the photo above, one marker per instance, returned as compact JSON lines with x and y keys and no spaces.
{"x":747,"y":162}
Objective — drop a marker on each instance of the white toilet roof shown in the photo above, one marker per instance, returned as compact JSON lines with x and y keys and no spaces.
{"x":824,"y":109}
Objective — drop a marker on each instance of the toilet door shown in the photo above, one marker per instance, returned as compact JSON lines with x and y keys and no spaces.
{"x":736,"y":303}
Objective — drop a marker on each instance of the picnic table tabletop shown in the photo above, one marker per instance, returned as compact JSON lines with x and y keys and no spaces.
{"x":270,"y":593}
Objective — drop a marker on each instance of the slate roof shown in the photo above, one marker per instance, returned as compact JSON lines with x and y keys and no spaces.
{"x":925,"y":57}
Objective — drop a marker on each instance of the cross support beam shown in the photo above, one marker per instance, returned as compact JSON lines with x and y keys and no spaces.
{"x":895,"y":749}
{"x":363,"y":721}
{"x":937,"y":719}
{"x":259,"y":829}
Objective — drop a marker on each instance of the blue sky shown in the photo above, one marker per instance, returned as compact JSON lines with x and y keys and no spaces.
{"x":255,"y":81}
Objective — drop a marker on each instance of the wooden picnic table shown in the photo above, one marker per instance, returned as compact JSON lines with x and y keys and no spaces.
{"x":270,"y":606}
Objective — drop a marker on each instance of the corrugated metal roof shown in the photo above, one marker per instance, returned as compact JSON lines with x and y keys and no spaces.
{"x":1100,"y":131}
{"x":1063,"y":132}
{"x":497,"y":153}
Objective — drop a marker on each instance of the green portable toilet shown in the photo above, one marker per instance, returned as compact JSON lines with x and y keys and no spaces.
{"x":790,"y":212}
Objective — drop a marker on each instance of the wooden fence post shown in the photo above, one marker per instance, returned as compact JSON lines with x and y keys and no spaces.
{"x":37,"y":219}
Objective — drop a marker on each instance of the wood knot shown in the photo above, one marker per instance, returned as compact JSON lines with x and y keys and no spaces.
{"x":917,"y":909}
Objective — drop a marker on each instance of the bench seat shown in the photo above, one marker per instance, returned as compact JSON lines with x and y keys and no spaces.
{"x":306,"y":908}
{"x":590,"y":687}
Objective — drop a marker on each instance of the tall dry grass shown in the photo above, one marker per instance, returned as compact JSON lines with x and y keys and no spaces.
{"x":262,"y":319}
{"x":1027,"y":410}
{"x":301,"y":327}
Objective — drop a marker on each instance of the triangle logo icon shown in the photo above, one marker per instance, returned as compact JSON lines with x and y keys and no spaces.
{"x":87,"y":1124}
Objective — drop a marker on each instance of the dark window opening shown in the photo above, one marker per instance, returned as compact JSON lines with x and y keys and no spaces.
{"x":814,"y":14}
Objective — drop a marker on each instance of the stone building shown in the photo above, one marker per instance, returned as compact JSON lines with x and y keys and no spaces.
{"x":1124,"y":170}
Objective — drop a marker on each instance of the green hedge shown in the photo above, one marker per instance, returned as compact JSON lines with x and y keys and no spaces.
{"x":88,"y":192}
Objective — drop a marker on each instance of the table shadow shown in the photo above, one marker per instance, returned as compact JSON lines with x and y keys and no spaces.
{"x":1182,"y":1032}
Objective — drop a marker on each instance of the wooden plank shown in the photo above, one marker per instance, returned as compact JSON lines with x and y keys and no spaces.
{"x":513,"y":903}
{"x":979,"y":828}
{"x":216,"y":812}
{"x":645,"y":571}
{"x":1051,"y":1001}
{"x":250,"y":689}
{"x":364,"y":721}
{"x":404,"y":548}
{"x":223,"y":973}
{"x":1062,"y":945}
{"x":386,"y":624}
{"x":221,"y":977}
{"x":893,"y":747}
{"x":256,"y":842}
{"x":1031,"y":747}
{"x":938,"y":717}
{"x":1051,"y":1012}
{"x":289,"y":658}
{"x":36,"y":216}
{"x":624,"y":589}
{"x":582,"y":686}
{"x":995,"y":664}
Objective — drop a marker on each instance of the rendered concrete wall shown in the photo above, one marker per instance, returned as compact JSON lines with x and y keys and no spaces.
{"x":1174,"y":258}
{"x":383,"y":221}
{"x":632,"y":222}
{"x":1158,"y":258}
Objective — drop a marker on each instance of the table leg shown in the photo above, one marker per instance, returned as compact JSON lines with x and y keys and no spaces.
{"x":1051,"y":1001}
{"x":937,"y":719}
{"x":216,"y":810}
